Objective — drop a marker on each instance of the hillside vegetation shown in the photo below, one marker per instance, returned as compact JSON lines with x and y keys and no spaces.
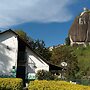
{"x":77,"y":59}
{"x":78,"y":62}
{"x":83,"y":56}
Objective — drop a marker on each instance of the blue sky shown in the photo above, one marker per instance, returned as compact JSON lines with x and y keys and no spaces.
{"x":48,"y":20}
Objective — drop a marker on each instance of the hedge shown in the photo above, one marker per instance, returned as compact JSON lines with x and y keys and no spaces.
{"x":11,"y":84}
{"x":55,"y":85}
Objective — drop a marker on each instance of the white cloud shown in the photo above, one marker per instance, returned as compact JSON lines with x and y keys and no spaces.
{"x":14,"y":12}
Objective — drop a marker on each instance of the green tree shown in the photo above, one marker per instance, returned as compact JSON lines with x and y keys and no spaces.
{"x":67,"y":41}
{"x":66,"y":54}
{"x":24,"y":35}
{"x":83,"y":55}
{"x":44,"y":75}
{"x":36,"y":45}
{"x":39,"y":47}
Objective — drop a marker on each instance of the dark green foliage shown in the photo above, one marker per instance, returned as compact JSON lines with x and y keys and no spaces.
{"x":44,"y":75}
{"x":83,"y":55}
{"x":67,"y":41}
{"x":66,"y":54}
{"x":24,"y":35}
{"x":21,"y":33}
{"x":36,"y":45}
{"x":39,"y":47}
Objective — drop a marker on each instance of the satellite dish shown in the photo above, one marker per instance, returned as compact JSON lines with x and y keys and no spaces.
{"x":63,"y":64}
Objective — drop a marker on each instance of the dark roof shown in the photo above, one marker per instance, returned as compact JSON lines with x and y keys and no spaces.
{"x":52,"y":66}
{"x":81,"y":32}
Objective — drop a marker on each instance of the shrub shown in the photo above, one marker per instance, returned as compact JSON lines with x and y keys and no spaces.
{"x":55,"y":85}
{"x":11,"y":84}
{"x":44,"y":75}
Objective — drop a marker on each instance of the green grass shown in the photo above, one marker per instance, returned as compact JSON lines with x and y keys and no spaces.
{"x":83,"y":55}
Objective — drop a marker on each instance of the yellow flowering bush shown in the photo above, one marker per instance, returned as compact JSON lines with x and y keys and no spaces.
{"x":11,"y":84}
{"x":55,"y":85}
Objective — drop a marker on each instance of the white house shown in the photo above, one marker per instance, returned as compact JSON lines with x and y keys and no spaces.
{"x":17,"y":59}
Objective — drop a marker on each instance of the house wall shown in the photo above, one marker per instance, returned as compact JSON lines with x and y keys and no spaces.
{"x":9,"y":56}
{"x":35,"y":63}
{"x":8,"y":53}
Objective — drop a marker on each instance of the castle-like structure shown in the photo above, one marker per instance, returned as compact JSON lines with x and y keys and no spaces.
{"x":79,"y":33}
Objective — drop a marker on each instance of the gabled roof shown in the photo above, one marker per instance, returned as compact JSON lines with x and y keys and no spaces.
{"x":52,"y":66}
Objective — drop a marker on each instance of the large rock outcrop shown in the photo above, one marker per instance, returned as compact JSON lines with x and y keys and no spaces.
{"x":80,"y":29}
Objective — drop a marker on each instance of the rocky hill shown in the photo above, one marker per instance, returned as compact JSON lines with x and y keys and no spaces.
{"x":79,"y":32}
